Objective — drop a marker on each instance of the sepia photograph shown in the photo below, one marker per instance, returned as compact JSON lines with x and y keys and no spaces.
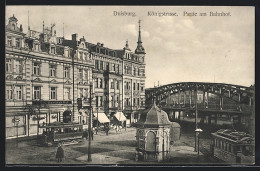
{"x":129,"y":85}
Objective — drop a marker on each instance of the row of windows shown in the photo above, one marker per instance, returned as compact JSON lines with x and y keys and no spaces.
{"x":101,"y":83}
{"x":14,"y":66}
{"x":136,"y":102}
{"x":133,"y":57}
{"x":15,"y":92}
{"x":13,"y":42}
{"x":53,"y":71}
{"x":136,"y":86}
{"x":101,"y":65}
{"x":135,"y":71}
{"x":83,"y":56}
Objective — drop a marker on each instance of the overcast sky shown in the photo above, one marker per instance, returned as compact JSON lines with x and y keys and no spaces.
{"x":178,"y":48}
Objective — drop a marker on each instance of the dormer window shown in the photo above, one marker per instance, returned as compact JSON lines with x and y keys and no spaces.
{"x":17,"y":42}
{"x":53,"y":50}
{"x":66,"y":53}
{"x":80,"y":55}
{"x":9,"y":40}
{"x":36,"y":47}
{"x":13,"y":26}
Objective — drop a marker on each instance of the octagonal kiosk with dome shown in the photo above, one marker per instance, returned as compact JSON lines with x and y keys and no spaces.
{"x":152,"y":135}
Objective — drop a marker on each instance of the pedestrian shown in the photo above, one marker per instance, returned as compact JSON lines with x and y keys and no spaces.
{"x":60,"y":153}
{"x":92,"y":134}
{"x":125,"y":125}
{"x":107,"y":129}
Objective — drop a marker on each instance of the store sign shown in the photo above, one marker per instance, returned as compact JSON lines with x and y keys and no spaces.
{"x":51,"y":102}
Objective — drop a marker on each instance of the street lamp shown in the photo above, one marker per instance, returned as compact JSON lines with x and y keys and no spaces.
{"x":198,"y":131}
{"x":90,"y":123}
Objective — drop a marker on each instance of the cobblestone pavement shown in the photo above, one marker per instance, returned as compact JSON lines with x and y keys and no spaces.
{"x":118,"y":148}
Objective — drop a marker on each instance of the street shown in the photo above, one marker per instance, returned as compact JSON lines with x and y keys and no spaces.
{"x":116,"y":148}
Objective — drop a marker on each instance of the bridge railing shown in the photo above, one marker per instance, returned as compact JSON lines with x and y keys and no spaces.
{"x":231,"y":107}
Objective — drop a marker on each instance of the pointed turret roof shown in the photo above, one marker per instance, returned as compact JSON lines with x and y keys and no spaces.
{"x":127,"y":46}
{"x":139,"y":49}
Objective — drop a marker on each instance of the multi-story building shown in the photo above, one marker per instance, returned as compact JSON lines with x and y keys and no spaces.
{"x":49,"y":78}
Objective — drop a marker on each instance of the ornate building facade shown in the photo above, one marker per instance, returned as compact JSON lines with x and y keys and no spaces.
{"x":48,"y":79}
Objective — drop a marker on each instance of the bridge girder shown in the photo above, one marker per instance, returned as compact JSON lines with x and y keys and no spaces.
{"x":237,"y":93}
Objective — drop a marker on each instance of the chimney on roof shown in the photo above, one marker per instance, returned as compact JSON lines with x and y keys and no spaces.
{"x":98,"y":43}
{"x":102,"y":44}
{"x":74,"y":37}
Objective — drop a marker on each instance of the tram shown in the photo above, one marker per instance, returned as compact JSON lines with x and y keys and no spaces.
{"x":233,"y":147}
{"x":61,"y":132}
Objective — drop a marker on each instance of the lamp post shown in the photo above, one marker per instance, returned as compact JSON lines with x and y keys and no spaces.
{"x":196,"y":117}
{"x":89,"y":124}
{"x":16,"y":121}
{"x":198,"y":131}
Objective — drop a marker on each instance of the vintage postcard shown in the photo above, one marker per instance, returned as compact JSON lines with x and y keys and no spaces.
{"x":129,"y":85}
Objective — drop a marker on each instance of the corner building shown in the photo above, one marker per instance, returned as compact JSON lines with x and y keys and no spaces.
{"x":48,"y":79}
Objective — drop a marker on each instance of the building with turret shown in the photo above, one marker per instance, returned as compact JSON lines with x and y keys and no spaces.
{"x":49,"y":78}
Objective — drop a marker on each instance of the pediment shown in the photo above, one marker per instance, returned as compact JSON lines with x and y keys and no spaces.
{"x":37,"y":80}
{"x":53,"y":81}
{"x":9,"y":77}
{"x":19,"y":77}
{"x":67,"y":82}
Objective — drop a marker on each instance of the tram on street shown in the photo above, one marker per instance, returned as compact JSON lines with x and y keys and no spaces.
{"x":233,"y":147}
{"x":61,"y":132}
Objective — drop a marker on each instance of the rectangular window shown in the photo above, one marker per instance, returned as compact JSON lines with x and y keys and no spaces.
{"x":142,"y":88}
{"x":52,"y":70}
{"x":80,"y":74}
{"x":53,"y":50}
{"x":96,"y":101}
{"x":80,"y":55}
{"x":134,"y":86}
{"x":138,"y":102}
{"x":101,"y":83}
{"x":101,"y":65}
{"x":86,"y":75}
{"x":9,"y":92}
{"x":66,"y":53}
{"x":37,"y":92}
{"x":101,"y":101}
{"x":118,"y":69}
{"x":67,"y":93}
{"x":96,"y":64}
{"x":112,"y":101}
{"x":17,"y":42}
{"x":112,"y":84}
{"x":53,"y":93}
{"x":142,"y":102}
{"x":8,"y":66}
{"x":134,"y":101}
{"x":19,"y":93}
{"x":85,"y":94}
{"x":81,"y":93}
{"x":96,"y":82}
{"x":19,"y":69}
{"x":117,"y":85}
{"x":107,"y":66}
{"x":66,"y":72}
{"x":9,"y":41}
{"x":138,"y":86}
{"x":113,"y":67}
{"x":36,"y":68}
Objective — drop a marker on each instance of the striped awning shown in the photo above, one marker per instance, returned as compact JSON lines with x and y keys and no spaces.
{"x":102,"y":117}
{"x":120,"y":116}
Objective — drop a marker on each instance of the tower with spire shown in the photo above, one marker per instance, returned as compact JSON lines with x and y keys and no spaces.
{"x":139,"y":49}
